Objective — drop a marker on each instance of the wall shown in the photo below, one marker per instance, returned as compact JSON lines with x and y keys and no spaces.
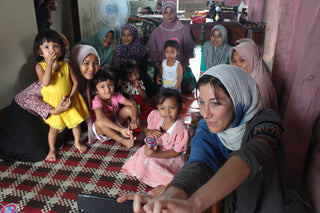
{"x":18,"y":28}
{"x":62,"y":19}
{"x":297,"y":79}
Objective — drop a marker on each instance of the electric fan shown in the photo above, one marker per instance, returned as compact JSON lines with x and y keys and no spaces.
{"x":114,"y":13}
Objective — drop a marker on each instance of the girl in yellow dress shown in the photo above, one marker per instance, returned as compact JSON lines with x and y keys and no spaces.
{"x":59,"y":82}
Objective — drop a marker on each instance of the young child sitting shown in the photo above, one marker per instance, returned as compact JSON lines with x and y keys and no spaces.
{"x":170,"y":74}
{"x":133,"y":88}
{"x":59,"y":81}
{"x":157,"y":165}
{"x":110,"y":120}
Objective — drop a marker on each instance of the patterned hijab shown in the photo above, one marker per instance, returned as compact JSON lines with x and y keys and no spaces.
{"x":105,"y":53}
{"x":245,"y":97}
{"x":216,"y":55}
{"x":174,"y":25}
{"x":251,"y":54}
{"x":135,"y":50}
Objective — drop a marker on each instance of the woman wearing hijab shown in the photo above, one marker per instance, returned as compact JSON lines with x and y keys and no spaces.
{"x":248,"y":57}
{"x":85,"y":62}
{"x":171,"y":27}
{"x":130,"y":47}
{"x":102,"y":42}
{"x":216,"y":51}
{"x":235,"y":151}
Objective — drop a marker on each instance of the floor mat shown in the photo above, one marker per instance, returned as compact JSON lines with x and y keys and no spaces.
{"x":52,"y":187}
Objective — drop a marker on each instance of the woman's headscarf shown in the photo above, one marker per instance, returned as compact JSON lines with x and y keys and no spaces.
{"x":135,"y":50}
{"x":78,"y":54}
{"x":105,"y":53}
{"x":165,"y":32}
{"x":251,"y":54}
{"x":216,"y":55}
{"x":176,"y":24}
{"x":214,"y":149}
{"x":245,"y":97}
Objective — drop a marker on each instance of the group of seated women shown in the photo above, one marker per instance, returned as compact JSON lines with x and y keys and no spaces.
{"x":236,"y":150}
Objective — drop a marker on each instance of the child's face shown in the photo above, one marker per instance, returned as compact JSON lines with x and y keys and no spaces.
{"x":238,"y":61}
{"x":170,"y":53}
{"x":216,"y":38}
{"x":126,"y":37}
{"x":132,"y":77}
{"x":50,"y":50}
{"x":108,"y":39}
{"x":169,"y":109}
{"x":105,"y":89}
{"x":89,"y":67}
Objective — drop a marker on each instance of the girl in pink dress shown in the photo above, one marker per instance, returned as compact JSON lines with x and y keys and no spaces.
{"x":157,"y":165}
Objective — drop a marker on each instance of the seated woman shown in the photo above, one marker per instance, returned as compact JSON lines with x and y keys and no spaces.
{"x":216,"y":51}
{"x":102,"y":42}
{"x":248,"y":57}
{"x":236,"y":151}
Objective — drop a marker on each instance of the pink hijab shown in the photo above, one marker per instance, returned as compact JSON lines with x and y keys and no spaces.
{"x":251,"y":54}
{"x":176,"y":24}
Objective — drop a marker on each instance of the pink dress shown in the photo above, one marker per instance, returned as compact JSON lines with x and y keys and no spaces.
{"x":160,"y":171}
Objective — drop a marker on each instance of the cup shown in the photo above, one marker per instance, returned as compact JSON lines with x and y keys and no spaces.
{"x":150,"y":141}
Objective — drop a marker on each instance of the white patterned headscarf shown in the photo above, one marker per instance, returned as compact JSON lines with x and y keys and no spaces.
{"x":245,"y":97}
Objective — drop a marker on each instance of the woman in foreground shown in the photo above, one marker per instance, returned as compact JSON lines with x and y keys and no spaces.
{"x":235,"y":152}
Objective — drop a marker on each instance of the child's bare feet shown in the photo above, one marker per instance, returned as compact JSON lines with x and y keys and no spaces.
{"x":158,"y":190}
{"x":81,"y":147}
{"x":128,"y":142}
{"x":51,"y":156}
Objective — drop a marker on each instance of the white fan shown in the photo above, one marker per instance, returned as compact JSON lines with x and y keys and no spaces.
{"x":114,"y":13}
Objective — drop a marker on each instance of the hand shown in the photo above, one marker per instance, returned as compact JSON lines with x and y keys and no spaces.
{"x":171,"y":205}
{"x":50,"y":58}
{"x":136,"y":84}
{"x":151,"y":152}
{"x":158,"y":80}
{"x":153,"y":133}
{"x":62,"y":106}
{"x":138,"y":200}
{"x":126,"y":132}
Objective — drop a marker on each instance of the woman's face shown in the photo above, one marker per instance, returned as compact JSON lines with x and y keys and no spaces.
{"x":108,"y":39}
{"x":238,"y":61}
{"x":216,"y":38}
{"x":218,"y":112}
{"x":169,"y":15}
{"x":89,"y":67}
{"x":126,"y":37}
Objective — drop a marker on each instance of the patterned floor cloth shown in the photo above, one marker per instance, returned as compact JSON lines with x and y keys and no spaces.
{"x":52,"y":187}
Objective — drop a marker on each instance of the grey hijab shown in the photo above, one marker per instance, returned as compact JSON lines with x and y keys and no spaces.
{"x":216,"y":55}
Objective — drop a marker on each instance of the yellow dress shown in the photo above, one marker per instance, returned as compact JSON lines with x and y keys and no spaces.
{"x":59,"y":87}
